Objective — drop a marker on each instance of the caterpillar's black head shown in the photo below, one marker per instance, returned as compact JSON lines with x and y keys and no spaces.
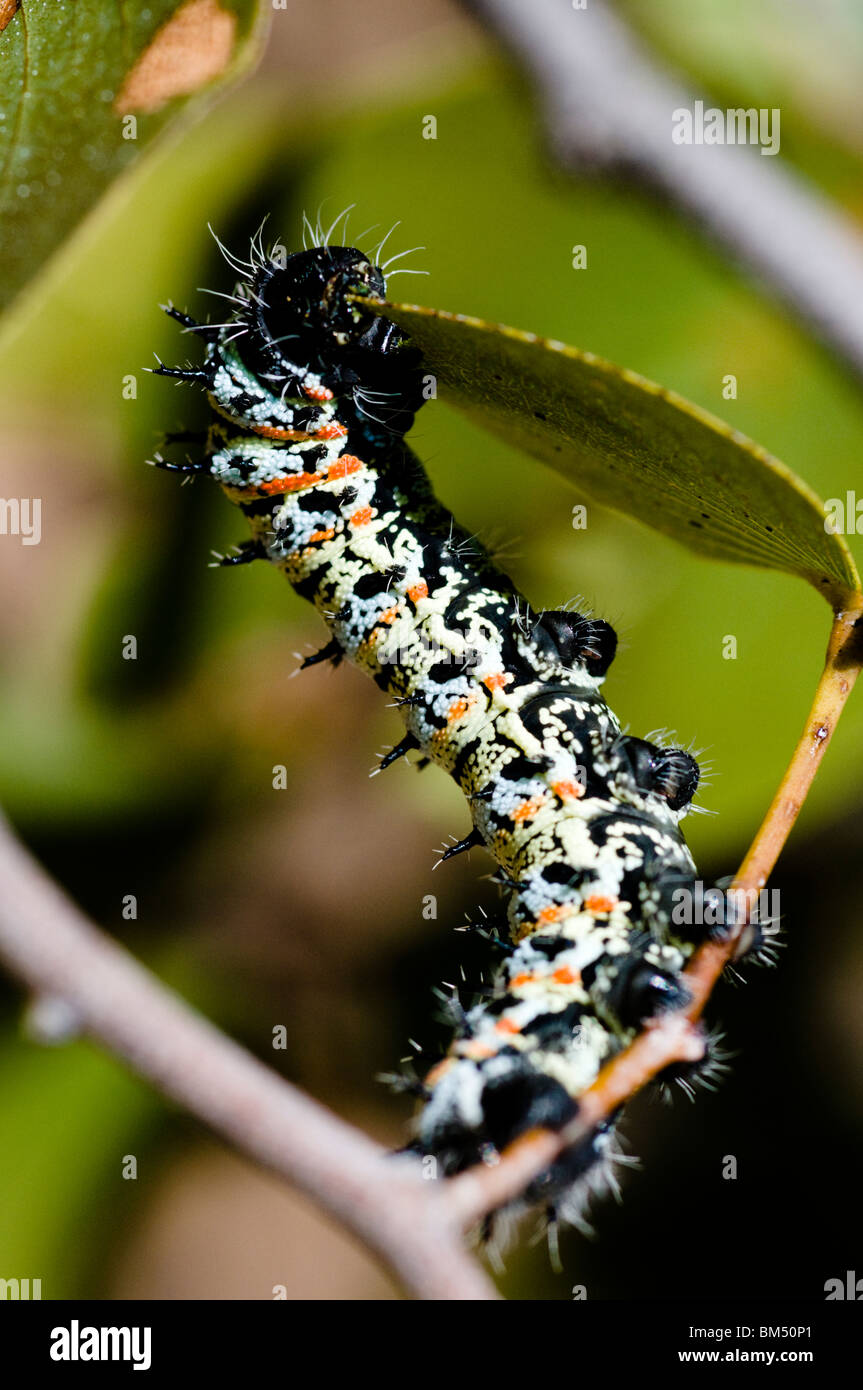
{"x":309,"y":315}
{"x":311,"y":300}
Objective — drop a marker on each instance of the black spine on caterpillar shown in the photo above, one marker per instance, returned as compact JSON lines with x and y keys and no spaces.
{"x":312,"y":393}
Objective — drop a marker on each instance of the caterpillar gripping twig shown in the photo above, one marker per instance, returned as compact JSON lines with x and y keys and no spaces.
{"x":582,"y":820}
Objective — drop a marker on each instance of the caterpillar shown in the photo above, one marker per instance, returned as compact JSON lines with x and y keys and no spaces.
{"x":312,"y":392}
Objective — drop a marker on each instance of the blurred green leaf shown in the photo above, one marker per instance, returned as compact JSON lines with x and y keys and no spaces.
{"x":634,"y":446}
{"x":87,"y":85}
{"x":73,"y":1203}
{"x":65,"y":1173}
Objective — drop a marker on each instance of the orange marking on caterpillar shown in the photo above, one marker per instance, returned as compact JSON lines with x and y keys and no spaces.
{"x":439,"y":1071}
{"x":506,"y":1025}
{"x":524,"y":979}
{"x":362,"y":517}
{"x":552,"y":914}
{"x":318,"y":393}
{"x":390,"y":615}
{"x":568,"y":791}
{"x":457,"y":710}
{"x":418,"y":591}
{"x":497,"y":681}
{"x":322,"y":535}
{"x":528,"y":809}
{"x":474,"y":1051}
{"x":348,"y":463}
{"x":276,"y":432}
{"x":598,"y":904}
{"x":333,"y":431}
{"x":291,"y":482}
{"x":565,"y":976}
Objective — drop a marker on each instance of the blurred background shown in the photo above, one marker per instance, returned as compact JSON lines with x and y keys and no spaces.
{"x":303,"y":907}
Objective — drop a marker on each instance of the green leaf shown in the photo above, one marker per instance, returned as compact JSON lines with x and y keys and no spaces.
{"x":631,"y":445}
{"x":87,"y":84}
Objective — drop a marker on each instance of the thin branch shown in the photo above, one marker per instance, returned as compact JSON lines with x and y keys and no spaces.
{"x":676,"y":1037}
{"x":606,"y":105}
{"x":844,"y":659}
{"x":52,"y":949}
